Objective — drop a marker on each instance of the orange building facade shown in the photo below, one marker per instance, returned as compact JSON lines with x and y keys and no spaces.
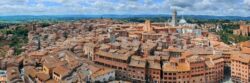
{"x":240,"y":68}
{"x":198,"y":70}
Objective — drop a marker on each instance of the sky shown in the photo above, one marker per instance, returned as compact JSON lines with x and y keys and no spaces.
{"x":124,"y":7}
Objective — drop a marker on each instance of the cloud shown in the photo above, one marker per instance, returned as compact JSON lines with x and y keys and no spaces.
{"x":196,"y":7}
{"x":212,"y":7}
{"x":247,"y":4}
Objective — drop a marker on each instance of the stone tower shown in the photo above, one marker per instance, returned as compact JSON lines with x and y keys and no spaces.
{"x":174,"y":15}
{"x":147,"y":26}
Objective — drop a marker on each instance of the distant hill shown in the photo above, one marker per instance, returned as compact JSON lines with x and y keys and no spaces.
{"x":232,"y":18}
{"x":51,"y":18}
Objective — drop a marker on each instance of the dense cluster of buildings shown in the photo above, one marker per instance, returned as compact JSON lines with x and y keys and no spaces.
{"x":104,"y":50}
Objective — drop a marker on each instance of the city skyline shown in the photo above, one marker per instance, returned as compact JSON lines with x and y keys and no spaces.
{"x":115,"y":41}
{"x":122,"y":7}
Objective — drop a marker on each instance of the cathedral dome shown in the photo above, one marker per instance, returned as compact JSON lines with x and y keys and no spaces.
{"x":182,"y":21}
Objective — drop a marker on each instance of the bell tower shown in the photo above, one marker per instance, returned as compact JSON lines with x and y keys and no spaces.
{"x":147,"y":26}
{"x":174,"y":15}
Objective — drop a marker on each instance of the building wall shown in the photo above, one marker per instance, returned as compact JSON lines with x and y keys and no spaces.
{"x":155,"y":75}
{"x":183,"y":77}
{"x":199,"y":73}
{"x":111,"y":62}
{"x":239,"y":71}
{"x":227,"y":60}
{"x":244,"y":30}
{"x":219,"y":71}
{"x":122,"y":75}
{"x":56,"y":76}
{"x":124,"y":72}
{"x":169,"y":77}
{"x":89,"y":51}
{"x":136,"y":73}
{"x":210,"y":75}
{"x":245,"y":50}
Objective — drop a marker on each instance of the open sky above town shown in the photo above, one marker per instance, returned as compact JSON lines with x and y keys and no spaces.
{"x":124,"y":7}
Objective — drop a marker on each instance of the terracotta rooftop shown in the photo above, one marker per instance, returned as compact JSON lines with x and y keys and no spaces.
{"x":240,"y":57}
{"x":90,"y":44}
{"x":122,"y":51}
{"x":218,"y":60}
{"x":137,"y":63}
{"x":38,"y":53}
{"x":92,"y":68}
{"x":113,"y":55}
{"x":173,"y":49}
{"x":176,"y":67}
{"x":245,"y":50}
{"x":31,"y":71}
{"x":154,"y":65}
{"x":104,"y":46}
{"x":214,"y":57}
{"x":209,"y":64}
{"x":195,"y":58}
{"x":49,"y":59}
{"x":101,"y":72}
{"x":152,"y":58}
{"x":63,"y":71}
{"x":51,"y":81}
{"x":49,"y":65}
{"x":246,"y":44}
{"x":13,"y":73}
{"x":43,"y":77}
{"x":201,"y":50}
{"x":186,"y":54}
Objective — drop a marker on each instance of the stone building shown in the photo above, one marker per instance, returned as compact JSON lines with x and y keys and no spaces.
{"x":147,"y":27}
{"x":244,"y":30}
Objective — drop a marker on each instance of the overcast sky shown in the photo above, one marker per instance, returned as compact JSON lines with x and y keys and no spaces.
{"x":100,"y":7}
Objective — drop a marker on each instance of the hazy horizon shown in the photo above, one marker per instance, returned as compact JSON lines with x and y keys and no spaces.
{"x":125,"y":7}
{"x":125,"y":15}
